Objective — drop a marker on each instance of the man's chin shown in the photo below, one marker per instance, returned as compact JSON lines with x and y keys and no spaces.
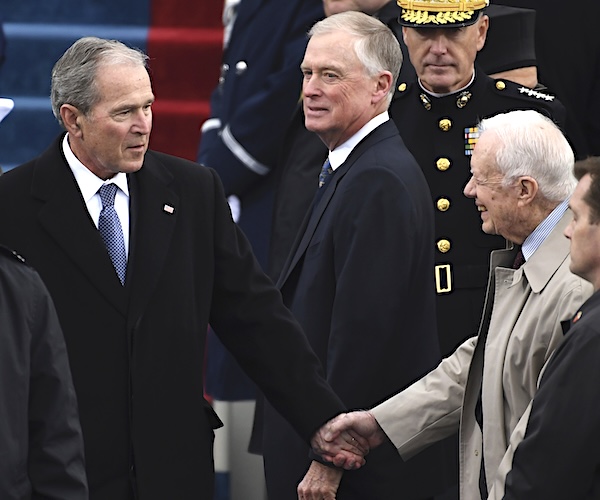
{"x":132,"y":166}
{"x":437,"y":82}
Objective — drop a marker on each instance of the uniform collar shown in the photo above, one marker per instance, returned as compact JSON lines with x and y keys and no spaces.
{"x":439,"y":96}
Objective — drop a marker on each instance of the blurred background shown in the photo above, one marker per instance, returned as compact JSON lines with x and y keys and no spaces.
{"x":182,"y":37}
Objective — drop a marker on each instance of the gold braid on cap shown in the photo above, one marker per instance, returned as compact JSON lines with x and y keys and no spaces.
{"x":439,"y":11}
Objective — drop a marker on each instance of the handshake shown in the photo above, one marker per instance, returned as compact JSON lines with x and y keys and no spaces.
{"x":346,"y":439}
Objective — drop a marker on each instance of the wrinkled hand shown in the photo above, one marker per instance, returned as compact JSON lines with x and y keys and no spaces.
{"x":346,"y":439}
{"x":320,"y":483}
{"x":344,"y":450}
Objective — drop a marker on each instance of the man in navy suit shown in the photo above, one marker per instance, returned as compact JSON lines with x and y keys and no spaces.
{"x":359,"y":277}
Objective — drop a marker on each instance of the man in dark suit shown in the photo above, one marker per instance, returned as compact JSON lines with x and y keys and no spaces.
{"x":359,"y":278}
{"x":135,"y":311}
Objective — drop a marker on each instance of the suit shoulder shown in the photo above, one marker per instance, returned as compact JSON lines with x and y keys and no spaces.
{"x":168,"y":159}
{"x":178,"y":166}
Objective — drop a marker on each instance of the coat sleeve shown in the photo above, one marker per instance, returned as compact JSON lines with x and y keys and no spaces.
{"x":249,"y":317}
{"x":56,"y":464}
{"x":428,"y":410}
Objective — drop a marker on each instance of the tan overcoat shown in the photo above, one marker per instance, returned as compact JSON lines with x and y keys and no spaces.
{"x":528,"y":307}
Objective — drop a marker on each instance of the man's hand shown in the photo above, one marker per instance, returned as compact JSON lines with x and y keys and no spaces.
{"x":320,"y":483}
{"x":347,"y":439}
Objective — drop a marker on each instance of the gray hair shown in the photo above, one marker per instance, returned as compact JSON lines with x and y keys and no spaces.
{"x":531,"y":144}
{"x":375,"y":46}
{"x":74,"y":74}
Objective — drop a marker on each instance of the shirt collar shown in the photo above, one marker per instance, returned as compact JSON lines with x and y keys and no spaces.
{"x":341,"y":153}
{"x":541,"y":232}
{"x":88,"y":182}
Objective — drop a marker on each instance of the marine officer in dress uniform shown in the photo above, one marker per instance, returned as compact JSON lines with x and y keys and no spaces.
{"x":437,"y":115}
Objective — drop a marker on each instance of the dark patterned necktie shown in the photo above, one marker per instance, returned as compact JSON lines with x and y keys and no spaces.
{"x":110,"y":228}
{"x":326,"y":172}
{"x":519,"y":260}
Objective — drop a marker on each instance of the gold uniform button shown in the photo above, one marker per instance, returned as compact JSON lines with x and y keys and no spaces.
{"x":443,"y":204}
{"x":443,"y":164}
{"x":445,"y":124}
{"x":500,"y":85}
{"x":402,"y":87}
{"x":443,"y":246}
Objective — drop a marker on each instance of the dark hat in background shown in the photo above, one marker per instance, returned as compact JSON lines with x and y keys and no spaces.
{"x":440,"y":13}
{"x":510,"y":42}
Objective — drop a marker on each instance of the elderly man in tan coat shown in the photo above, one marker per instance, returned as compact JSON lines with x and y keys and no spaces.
{"x":521,"y":181}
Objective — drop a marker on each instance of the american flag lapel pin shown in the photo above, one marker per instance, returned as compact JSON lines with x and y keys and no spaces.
{"x":168,"y":208}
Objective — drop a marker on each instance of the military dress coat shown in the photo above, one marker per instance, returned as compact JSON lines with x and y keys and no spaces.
{"x":137,"y":351}
{"x":441,"y":132}
{"x":520,"y":329}
{"x":41,"y":447}
{"x":358,"y":280}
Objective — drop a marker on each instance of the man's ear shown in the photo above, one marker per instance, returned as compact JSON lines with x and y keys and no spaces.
{"x":383,"y":85}
{"x":528,"y":189}
{"x":71,"y":116}
{"x":482,"y":28}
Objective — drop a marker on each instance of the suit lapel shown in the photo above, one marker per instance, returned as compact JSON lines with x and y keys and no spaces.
{"x":154,"y":211}
{"x":310,"y":223}
{"x":315,"y":213}
{"x":66,"y":219}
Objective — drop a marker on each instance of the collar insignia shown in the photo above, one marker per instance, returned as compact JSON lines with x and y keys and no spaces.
{"x":425,"y":101}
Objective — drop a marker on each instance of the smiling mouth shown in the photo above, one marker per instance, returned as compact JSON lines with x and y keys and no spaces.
{"x":481,"y":208}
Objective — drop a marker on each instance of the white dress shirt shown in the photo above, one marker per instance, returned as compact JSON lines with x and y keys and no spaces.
{"x":89,"y":184}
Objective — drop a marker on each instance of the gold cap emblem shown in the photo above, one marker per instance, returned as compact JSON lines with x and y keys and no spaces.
{"x":442,"y":13}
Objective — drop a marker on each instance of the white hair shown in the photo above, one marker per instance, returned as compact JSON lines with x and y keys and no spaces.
{"x":531,"y":144}
{"x":376,"y":47}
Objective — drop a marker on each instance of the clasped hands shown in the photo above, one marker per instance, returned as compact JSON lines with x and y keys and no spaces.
{"x":346,"y":439}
